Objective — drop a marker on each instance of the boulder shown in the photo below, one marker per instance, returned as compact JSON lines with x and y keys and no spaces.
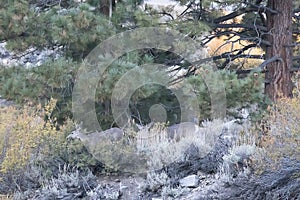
{"x":189,"y":181}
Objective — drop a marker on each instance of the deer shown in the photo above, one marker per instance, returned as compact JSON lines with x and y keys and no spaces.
{"x":111,"y":142}
{"x":151,"y":134}
{"x":184,"y":129}
{"x":92,"y":140}
{"x":176,"y":132}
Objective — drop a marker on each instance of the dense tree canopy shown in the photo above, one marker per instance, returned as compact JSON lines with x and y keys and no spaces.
{"x":260,"y":36}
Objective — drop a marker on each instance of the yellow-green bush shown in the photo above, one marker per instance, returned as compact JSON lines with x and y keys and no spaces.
{"x":23,"y":132}
{"x":282,"y":140}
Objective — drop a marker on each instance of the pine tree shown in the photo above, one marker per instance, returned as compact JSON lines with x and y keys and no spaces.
{"x":267,"y":24}
{"x":76,"y":28}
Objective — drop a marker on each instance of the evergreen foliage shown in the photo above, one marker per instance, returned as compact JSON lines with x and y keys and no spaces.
{"x":39,"y":84}
{"x":240,"y":93}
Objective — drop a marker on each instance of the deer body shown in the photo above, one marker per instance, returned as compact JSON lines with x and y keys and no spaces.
{"x":184,"y":129}
{"x":152,"y":136}
{"x":177,"y":132}
{"x":94,"y":139}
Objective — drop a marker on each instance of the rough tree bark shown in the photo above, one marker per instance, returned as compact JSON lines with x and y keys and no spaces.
{"x":278,"y":75}
{"x":106,"y":7}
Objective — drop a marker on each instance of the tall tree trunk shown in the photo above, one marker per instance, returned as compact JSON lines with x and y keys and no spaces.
{"x":106,"y":7}
{"x":278,"y":75}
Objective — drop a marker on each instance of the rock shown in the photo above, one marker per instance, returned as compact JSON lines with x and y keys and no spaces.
{"x":189,"y":181}
{"x":31,"y":57}
{"x":5,"y":103}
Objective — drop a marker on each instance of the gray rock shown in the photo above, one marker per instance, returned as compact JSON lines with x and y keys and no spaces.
{"x":29,"y":58}
{"x":4,"y":103}
{"x":189,"y":181}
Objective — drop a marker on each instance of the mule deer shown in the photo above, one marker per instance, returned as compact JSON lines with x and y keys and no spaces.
{"x":184,"y":129}
{"x":176,"y":132}
{"x":91,"y":140}
{"x":109,"y":148}
{"x":153,"y":134}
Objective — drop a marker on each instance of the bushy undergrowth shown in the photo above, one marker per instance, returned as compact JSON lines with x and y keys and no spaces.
{"x":161,"y":150}
{"x":264,"y":147}
{"x":282,"y":139}
{"x":26,"y":135}
{"x":24,"y":132}
{"x":34,"y":146}
{"x":238,"y":161}
{"x":69,"y":183}
{"x":160,"y":183}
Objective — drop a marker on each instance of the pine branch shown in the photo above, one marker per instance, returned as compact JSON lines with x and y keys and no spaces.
{"x":265,"y":63}
{"x":233,"y":15}
{"x":187,"y":8}
{"x":226,"y":55}
{"x":260,"y":8}
{"x":245,"y":26}
{"x":250,"y":8}
{"x":207,"y":39}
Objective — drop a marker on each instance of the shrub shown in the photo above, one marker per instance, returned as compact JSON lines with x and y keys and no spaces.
{"x":161,"y":151}
{"x":155,"y":181}
{"x":32,"y":146}
{"x":23,"y":131}
{"x":159,"y":183}
{"x":282,"y":138}
{"x":238,"y":160}
{"x":69,"y":183}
